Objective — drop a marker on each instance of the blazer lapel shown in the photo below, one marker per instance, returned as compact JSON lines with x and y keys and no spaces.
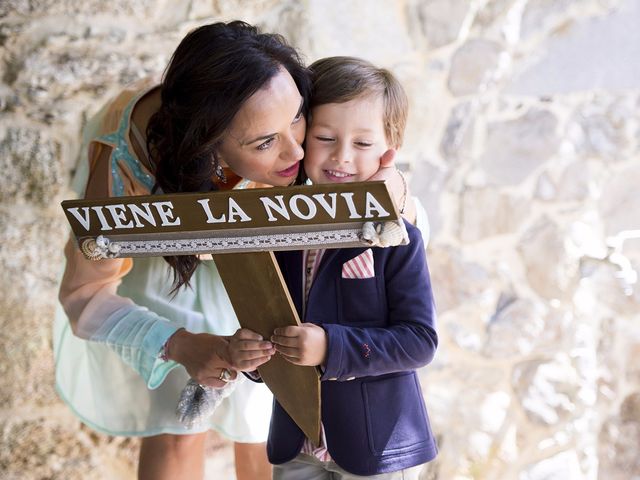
{"x":293,"y":271}
{"x":327,"y":258}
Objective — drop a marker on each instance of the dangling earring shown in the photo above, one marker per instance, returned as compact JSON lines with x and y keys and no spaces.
{"x":218,"y":170}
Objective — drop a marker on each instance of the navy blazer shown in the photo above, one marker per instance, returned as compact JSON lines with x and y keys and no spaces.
{"x":379,"y":331}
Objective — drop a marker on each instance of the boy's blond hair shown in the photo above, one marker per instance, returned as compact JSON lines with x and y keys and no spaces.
{"x":341,"y":79}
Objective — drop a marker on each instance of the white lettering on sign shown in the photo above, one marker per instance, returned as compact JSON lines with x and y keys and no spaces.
{"x":137,"y":212}
{"x":330,"y":209}
{"x":207,"y":210}
{"x":166,"y":215}
{"x":118,"y":215}
{"x":233,"y":210}
{"x":83,"y":220}
{"x":373,"y":204}
{"x":126,"y":215}
{"x":279,"y":207}
{"x":306,"y":208}
{"x":102,"y":218}
{"x":348,"y":197}
{"x":311,"y":207}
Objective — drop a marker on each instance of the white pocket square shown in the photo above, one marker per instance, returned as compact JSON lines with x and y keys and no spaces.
{"x":360,"y":266}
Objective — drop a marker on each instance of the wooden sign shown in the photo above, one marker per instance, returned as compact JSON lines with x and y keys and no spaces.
{"x":254,"y":222}
{"x":289,"y":218}
{"x":267,"y":307}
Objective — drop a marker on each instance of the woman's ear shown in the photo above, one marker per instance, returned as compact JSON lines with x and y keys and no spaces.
{"x":388,"y":158}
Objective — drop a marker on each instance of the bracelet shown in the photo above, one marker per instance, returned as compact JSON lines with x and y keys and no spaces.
{"x":404,"y":193}
{"x":164,"y":350}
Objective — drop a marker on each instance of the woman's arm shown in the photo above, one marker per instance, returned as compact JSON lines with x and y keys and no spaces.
{"x":96,"y":312}
{"x":88,"y":294}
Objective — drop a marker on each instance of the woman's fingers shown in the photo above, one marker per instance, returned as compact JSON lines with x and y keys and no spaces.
{"x":219,"y":378}
{"x":211,"y":382}
{"x":387,"y":160}
{"x":248,"y":355}
{"x":248,"y":350}
{"x":247,"y":345}
{"x":246,"y":334}
{"x":245,"y":339}
{"x":250,"y":365}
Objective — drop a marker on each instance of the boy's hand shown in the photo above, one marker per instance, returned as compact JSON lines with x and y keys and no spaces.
{"x":247,"y":350}
{"x":301,"y":345}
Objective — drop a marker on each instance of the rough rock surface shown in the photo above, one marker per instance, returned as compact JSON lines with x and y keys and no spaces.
{"x":522,"y":145}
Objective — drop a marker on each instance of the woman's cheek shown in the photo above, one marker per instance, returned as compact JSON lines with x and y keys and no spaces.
{"x":299,"y":131}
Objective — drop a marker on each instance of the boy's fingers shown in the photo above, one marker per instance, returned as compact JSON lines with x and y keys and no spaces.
{"x":291,"y":359}
{"x":289,"y":331}
{"x":288,"y":351}
{"x":284,"y":341}
{"x":295,"y":361}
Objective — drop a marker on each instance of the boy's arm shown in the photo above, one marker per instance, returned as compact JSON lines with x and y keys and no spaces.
{"x":410,"y":339}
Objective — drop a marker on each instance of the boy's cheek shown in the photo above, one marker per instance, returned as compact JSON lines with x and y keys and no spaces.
{"x":312,"y":157}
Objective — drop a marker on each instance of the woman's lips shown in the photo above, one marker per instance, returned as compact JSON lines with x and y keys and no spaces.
{"x":292,"y":171}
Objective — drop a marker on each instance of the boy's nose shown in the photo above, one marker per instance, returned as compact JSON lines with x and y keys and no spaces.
{"x":342,"y":154}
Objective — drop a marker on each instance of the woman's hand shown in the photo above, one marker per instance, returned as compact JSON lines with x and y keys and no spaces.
{"x":397,"y":184}
{"x":205,"y":356}
{"x":302,"y":345}
{"x":248,"y":350}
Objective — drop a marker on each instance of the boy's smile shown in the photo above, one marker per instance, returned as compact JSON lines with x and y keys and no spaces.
{"x":345,"y":141}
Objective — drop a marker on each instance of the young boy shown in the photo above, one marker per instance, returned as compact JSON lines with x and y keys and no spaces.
{"x":368,"y":313}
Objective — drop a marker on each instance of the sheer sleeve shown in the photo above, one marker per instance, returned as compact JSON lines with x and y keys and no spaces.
{"x":88,"y":294}
{"x":422,"y":221}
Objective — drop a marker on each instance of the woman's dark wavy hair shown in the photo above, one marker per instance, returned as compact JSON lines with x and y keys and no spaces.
{"x":214,"y":70}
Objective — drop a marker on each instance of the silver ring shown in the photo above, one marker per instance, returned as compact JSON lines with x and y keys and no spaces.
{"x":225,"y":375}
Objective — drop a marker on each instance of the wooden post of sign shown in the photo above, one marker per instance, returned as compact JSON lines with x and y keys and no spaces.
{"x":262,"y":302}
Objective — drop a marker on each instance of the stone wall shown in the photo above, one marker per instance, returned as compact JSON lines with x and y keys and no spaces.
{"x":522,"y":144}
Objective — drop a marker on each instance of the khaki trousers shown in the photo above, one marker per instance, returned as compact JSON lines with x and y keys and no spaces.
{"x":307,"y":467}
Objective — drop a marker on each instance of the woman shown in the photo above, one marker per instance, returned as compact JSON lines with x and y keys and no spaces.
{"x":230,"y":113}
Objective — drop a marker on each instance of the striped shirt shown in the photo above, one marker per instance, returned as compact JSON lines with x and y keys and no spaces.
{"x":311,"y":261}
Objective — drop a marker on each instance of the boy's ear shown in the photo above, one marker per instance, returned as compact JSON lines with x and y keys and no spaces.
{"x":388,"y":158}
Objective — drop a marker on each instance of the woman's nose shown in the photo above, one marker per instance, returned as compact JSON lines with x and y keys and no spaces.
{"x":293,"y":149}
